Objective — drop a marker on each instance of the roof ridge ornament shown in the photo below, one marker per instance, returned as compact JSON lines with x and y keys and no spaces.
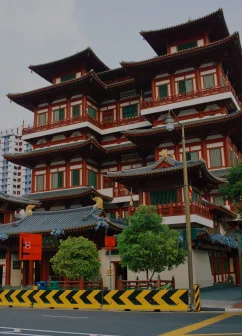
{"x":164,"y":153}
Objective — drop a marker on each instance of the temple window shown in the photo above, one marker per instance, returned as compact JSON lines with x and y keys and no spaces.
{"x":208,"y":81}
{"x":75,"y":177}
{"x":92,"y":112}
{"x":163,"y":91}
{"x":107,"y":183}
{"x":130,"y":111}
{"x":163,"y":196}
{"x":67,"y":78}
{"x":195,"y":196}
{"x":185,"y":86}
{"x":218,"y":200}
{"x":231,"y":157}
{"x":108,"y":117}
{"x":57,"y":180}
{"x":42,"y":117}
{"x":216,"y":160}
{"x":76,"y":111}
{"x":59,"y":114}
{"x":188,"y":45}
{"x":40,"y":180}
{"x":112,"y":215}
{"x":192,"y":156}
{"x":92,"y":179}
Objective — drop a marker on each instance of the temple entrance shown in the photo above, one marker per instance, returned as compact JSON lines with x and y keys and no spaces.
{"x":119,"y":273}
{"x":37,"y":272}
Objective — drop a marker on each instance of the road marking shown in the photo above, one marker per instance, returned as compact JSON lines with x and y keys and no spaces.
{"x":11,"y":331}
{"x":71,"y":317}
{"x":193,"y":327}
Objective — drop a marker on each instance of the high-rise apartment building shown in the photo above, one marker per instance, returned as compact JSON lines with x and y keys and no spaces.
{"x":14,"y":179}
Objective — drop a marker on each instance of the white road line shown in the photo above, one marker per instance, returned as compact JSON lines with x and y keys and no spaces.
{"x":12,"y":332}
{"x":71,"y":317}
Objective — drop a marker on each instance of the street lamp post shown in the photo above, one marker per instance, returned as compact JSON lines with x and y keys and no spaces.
{"x":170,"y":127}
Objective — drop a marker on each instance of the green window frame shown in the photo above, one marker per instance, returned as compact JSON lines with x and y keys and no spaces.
{"x":185,"y":86}
{"x":163,"y":196}
{"x":130,"y":111}
{"x":216,"y":159}
{"x":208,"y":81}
{"x":92,"y":179}
{"x":59,"y":114}
{"x":92,"y":112}
{"x":194,"y":156}
{"x":188,"y":45}
{"x":67,"y":77}
{"x":195,"y":196}
{"x":163,"y":91}
{"x":57,"y":180}
{"x":75,"y":177}
{"x":231,"y":157}
{"x":112,"y":215}
{"x":75,"y":111}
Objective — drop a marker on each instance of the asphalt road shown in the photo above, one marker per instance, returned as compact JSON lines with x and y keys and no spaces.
{"x":43,"y":322}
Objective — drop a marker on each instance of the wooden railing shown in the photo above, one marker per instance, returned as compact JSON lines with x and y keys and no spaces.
{"x":145,"y":284}
{"x":80,"y":119}
{"x":188,"y":96}
{"x":178,"y":209}
{"x":119,"y":192}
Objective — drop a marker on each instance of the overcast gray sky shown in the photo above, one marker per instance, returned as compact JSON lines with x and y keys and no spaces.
{"x":38,"y":31}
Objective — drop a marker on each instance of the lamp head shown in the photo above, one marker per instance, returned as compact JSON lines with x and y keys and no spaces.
{"x":169,"y":122}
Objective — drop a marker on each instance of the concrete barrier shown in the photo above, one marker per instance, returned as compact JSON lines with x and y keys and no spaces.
{"x":163,"y":300}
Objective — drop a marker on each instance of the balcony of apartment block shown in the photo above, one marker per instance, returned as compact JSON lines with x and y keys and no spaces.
{"x":102,"y":126}
{"x":186,"y":99}
{"x":174,"y":214}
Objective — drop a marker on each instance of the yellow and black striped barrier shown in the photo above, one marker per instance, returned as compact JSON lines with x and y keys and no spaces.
{"x":197,"y":297}
{"x":163,"y":300}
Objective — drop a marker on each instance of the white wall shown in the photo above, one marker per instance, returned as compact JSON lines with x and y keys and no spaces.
{"x":15,"y":274}
{"x":202,"y":269}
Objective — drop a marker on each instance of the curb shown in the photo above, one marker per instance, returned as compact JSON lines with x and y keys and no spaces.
{"x":233,"y":310}
{"x":213,"y":309}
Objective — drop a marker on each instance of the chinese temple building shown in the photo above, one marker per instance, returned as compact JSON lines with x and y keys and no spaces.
{"x":100,"y":133}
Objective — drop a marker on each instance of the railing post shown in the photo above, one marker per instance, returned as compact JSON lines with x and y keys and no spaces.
{"x":82,"y":284}
{"x":138,"y":283}
{"x":173,"y":282}
{"x":101,"y":283}
{"x":120,"y":283}
{"x":158,"y":282}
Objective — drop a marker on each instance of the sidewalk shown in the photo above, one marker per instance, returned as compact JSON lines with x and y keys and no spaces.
{"x":227,"y":299}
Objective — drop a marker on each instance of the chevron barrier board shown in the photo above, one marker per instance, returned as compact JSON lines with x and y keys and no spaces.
{"x":97,"y":299}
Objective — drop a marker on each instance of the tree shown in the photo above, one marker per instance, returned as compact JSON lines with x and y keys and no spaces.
{"x":233,"y":189}
{"x":76,"y":258}
{"x":148,"y":245}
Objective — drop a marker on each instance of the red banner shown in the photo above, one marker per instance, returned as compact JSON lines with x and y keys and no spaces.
{"x":30,"y":246}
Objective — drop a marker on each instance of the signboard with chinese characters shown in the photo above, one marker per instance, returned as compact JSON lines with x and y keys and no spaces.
{"x":30,"y":246}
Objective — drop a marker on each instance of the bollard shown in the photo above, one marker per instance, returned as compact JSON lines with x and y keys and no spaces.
{"x":197,"y":298}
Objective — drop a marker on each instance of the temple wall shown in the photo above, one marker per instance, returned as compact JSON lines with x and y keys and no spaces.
{"x":15,"y":273}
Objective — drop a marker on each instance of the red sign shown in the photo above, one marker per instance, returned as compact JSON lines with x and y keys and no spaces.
{"x":110,"y":242}
{"x":30,"y":246}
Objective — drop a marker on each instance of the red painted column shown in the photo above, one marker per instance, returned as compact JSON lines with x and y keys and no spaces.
{"x":84,"y":105}
{"x":173,"y":86}
{"x":118,"y":112}
{"x":33,"y":182}
{"x":141,"y":197}
{"x":31,"y":272}
{"x":8,"y":267}
{"x":49,"y":114}
{"x":198,"y":80}
{"x":219,"y":74}
{"x":68,"y":184}
{"x":147,"y":198}
{"x":35,"y":117}
{"x":177,"y":152}
{"x":153,"y":91}
{"x":156,"y":154}
{"x":226,"y":151}
{"x":204,"y":151}
{"x":68,"y":109}
{"x":47,"y":177}
{"x":84,"y":172}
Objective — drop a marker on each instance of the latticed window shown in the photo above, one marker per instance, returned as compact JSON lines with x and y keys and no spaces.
{"x":92,"y":112}
{"x":67,"y":78}
{"x":107,"y":117}
{"x":75,"y":177}
{"x":57,"y":180}
{"x":216,"y":160}
{"x":76,"y":111}
{"x":192,"y":156}
{"x":208,"y":81}
{"x":59,"y":114}
{"x":130,"y":111}
{"x":185,"y":86}
{"x":163,"y":91}
{"x":188,"y":45}
{"x":163,"y":196}
{"x":107,"y":182}
{"x":40,"y":182}
{"x":92,"y":179}
{"x":42,"y":119}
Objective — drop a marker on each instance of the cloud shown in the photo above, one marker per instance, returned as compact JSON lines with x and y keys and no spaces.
{"x":33,"y":32}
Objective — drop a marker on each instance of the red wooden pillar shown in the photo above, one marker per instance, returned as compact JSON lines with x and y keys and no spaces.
{"x":118,"y":112}
{"x":33,"y":183}
{"x":31,"y":272}
{"x":47,"y":177}
{"x":84,"y":105}
{"x":204,"y":151}
{"x":68,"y":109}
{"x":198,"y":80}
{"x":141,"y":197}
{"x":147,"y":198}
{"x":8,"y":267}
{"x":226,"y":151}
{"x":153,"y":89}
{"x":49,"y":114}
{"x":35,"y":117}
{"x":219,"y":75}
{"x":156,"y":154}
{"x":67,"y":175}
{"x":84,"y":172}
{"x":173,"y":86}
{"x":177,"y":152}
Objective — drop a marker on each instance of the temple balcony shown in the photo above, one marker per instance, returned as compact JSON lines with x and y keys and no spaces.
{"x":174,"y":214}
{"x":83,"y":121}
{"x":188,"y":99}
